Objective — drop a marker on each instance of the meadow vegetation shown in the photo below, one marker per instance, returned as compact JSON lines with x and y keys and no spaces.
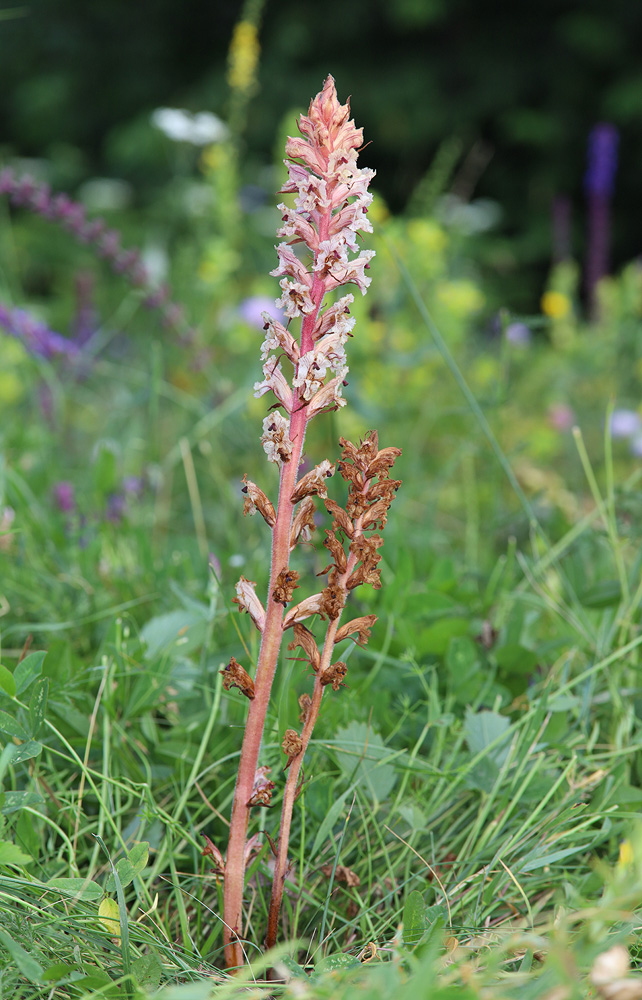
{"x":468,"y":822}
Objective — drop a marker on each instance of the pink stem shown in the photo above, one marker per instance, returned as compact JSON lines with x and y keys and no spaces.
{"x":266,"y":667}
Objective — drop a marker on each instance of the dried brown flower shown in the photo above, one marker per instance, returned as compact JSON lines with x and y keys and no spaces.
{"x":257,"y":500}
{"x":262,"y":788}
{"x":305,"y":704}
{"x":234,"y":675}
{"x":362,"y":626}
{"x":211,"y":850}
{"x":285,"y":585}
{"x":333,"y":599}
{"x":303,"y":524}
{"x":335,"y":548}
{"x":313,"y":482}
{"x":303,"y":637}
{"x":248,"y":601}
{"x":342,"y":874}
{"x":310,"y":606}
{"x":341,"y":520}
{"x":292,"y":745}
{"x":334,"y":674}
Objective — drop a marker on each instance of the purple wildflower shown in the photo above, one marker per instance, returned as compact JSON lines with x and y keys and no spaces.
{"x":251,"y":310}
{"x":602,"y":160}
{"x":561,"y":416}
{"x":624,"y":423}
{"x":64,"y":496}
{"x":27,"y":193}
{"x":598,"y":183}
{"x":36,"y":336}
{"x":116,"y":508}
{"x":518,"y":333}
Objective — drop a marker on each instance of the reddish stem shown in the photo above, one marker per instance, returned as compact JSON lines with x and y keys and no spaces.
{"x":265,"y":670}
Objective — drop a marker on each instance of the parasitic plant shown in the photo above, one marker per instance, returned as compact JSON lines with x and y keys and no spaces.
{"x":330,"y":211}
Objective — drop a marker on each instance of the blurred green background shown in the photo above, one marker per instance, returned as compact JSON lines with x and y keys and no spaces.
{"x":515,"y":88}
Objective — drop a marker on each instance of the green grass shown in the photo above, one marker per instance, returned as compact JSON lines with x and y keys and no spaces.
{"x":479,"y":774}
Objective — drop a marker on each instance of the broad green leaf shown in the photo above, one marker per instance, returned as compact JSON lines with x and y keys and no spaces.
{"x":38,"y":704}
{"x":148,"y":970}
{"x":10,"y":725}
{"x":11,"y":854}
{"x":128,"y":868}
{"x":359,"y":750}
{"x":30,"y":968}
{"x":178,"y":631}
{"x":336,"y":963}
{"x":13,"y":801}
{"x":515,"y":659}
{"x":414,"y":919}
{"x":27,"y":750}
{"x":80,"y":887}
{"x":7,"y":681}
{"x":435,"y":638}
{"x":28,"y":669}
{"x":482,"y":730}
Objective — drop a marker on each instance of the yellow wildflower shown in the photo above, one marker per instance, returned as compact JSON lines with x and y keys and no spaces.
{"x":243,"y":57}
{"x":555,"y":304}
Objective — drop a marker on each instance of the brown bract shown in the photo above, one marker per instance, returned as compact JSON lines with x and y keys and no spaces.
{"x":234,"y":675}
{"x":313,"y":482}
{"x":333,"y":600}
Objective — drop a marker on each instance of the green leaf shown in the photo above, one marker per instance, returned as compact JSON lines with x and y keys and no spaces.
{"x":27,"y":750}
{"x":11,"y":854}
{"x":148,"y":971}
{"x":131,"y":866}
{"x":38,"y":704}
{"x":604,"y":594}
{"x":550,"y":859}
{"x":13,"y":801}
{"x":7,"y":681}
{"x":81,"y":888}
{"x":435,"y":638}
{"x":359,"y":751}
{"x":28,"y":669}
{"x":105,"y":472}
{"x":178,"y":631}
{"x":482,"y":730}
{"x":30,"y":968}
{"x":10,"y":725}
{"x":414,"y":919}
{"x":336,"y":963}
{"x":515,"y":659}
